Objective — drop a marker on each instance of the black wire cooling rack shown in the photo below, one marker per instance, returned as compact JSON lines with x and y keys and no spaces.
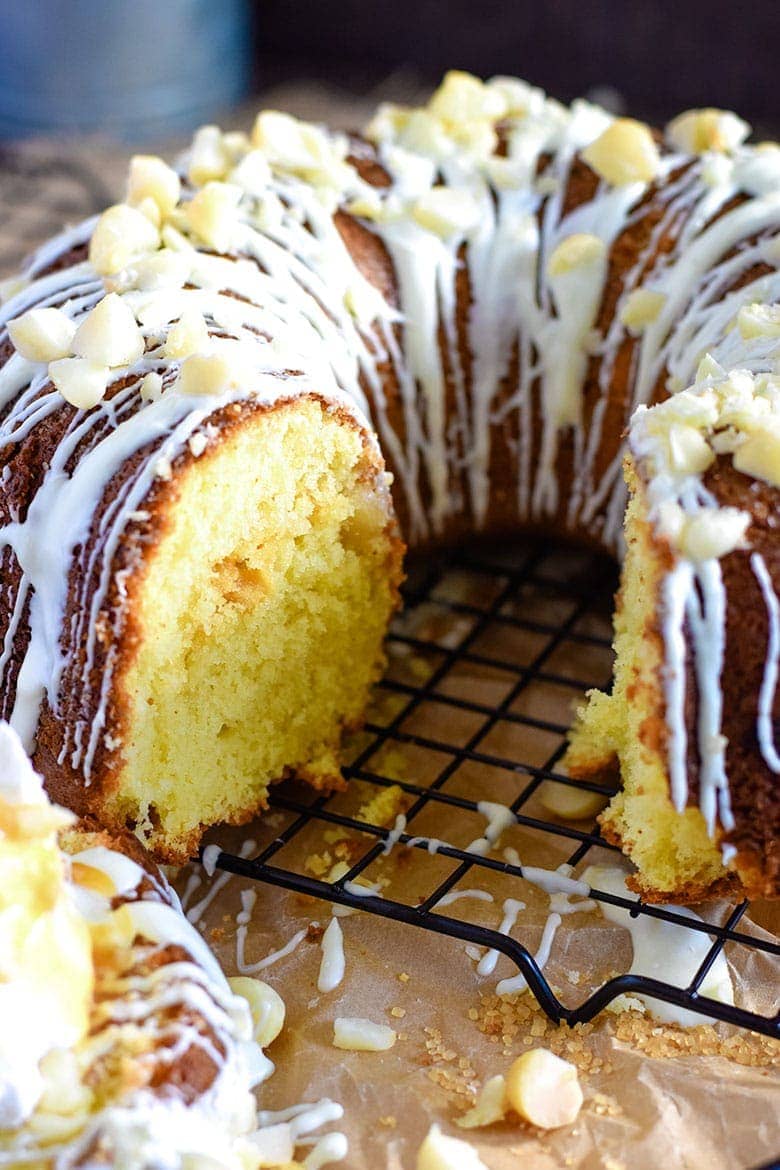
{"x":530,"y":620}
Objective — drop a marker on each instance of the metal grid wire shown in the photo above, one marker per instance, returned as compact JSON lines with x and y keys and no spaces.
{"x":518,"y":591}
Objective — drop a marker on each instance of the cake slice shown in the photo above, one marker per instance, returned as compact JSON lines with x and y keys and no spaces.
{"x":121,"y":1042}
{"x":692,"y":717}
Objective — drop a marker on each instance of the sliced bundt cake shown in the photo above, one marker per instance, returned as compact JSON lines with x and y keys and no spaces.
{"x":691,"y":721}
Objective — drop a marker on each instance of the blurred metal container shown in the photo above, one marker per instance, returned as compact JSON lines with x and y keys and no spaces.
{"x":135,"y":69}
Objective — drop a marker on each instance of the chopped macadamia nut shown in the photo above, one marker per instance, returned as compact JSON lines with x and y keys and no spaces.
{"x":80,"y":382}
{"x":698,"y":131}
{"x":175,"y":240}
{"x":424,"y":133}
{"x":151,"y":386}
{"x":625,"y":153}
{"x":570,"y":803}
{"x":364,"y":302}
{"x":42,"y":335}
{"x":463,"y":98}
{"x":759,"y":455}
{"x":544,"y":1089}
{"x":209,"y":158}
{"x":446,"y":211}
{"x":150,"y":209}
{"x":121,"y":234}
{"x":712,"y":533}
{"x":109,"y":334}
{"x":236,"y":144}
{"x":360,"y":1035}
{"x":151,"y":178}
{"x":302,"y":148}
{"x":212,"y":214}
{"x":578,"y":251}
{"x":253,"y":174}
{"x":440,"y":1152}
{"x":641,"y":308}
{"x":164,"y":269}
{"x":759,"y":321}
{"x":489,"y":1107}
{"x":203,"y":374}
{"x":188,"y":335}
{"x":266,"y":1007}
{"x":689,"y":453}
{"x":368,"y":206}
{"x":708,"y":368}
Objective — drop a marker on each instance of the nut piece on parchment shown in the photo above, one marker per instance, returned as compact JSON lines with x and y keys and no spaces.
{"x":359,"y":1035}
{"x":539,"y":1086}
{"x":544,"y":1089}
{"x":439,"y":1152}
{"x":265,"y":1005}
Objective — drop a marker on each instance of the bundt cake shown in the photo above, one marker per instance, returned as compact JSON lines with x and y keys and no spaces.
{"x":200,"y":555}
{"x":121,"y":1043}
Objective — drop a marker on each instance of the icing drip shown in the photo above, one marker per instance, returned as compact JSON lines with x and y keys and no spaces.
{"x":663,"y":950}
{"x":694,"y":596}
{"x":518,"y":982}
{"x":333,"y":964}
{"x":766,"y":696}
{"x":512,"y":909}
{"x":269,"y":960}
{"x":456,"y":895}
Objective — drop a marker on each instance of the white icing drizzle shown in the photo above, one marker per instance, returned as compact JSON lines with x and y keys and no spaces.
{"x":210,"y":855}
{"x":333,"y":1147}
{"x":676,"y":588}
{"x":293,"y":1125}
{"x":553,"y":882}
{"x":333,"y":963}
{"x":194,"y":882}
{"x":560,"y":900}
{"x":499,"y":817}
{"x":269,"y":960}
{"x":512,"y":909}
{"x":663,"y":950}
{"x":766,"y":695}
{"x":195,"y":913}
{"x":455,"y":896}
{"x":395,"y":834}
{"x":432,"y":844}
{"x":518,"y":982}
{"x":359,"y":891}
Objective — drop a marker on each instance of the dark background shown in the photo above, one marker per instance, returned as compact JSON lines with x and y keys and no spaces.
{"x":661,"y":57}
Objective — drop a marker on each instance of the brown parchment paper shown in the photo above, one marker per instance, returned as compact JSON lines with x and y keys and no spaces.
{"x":655,"y":1095}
